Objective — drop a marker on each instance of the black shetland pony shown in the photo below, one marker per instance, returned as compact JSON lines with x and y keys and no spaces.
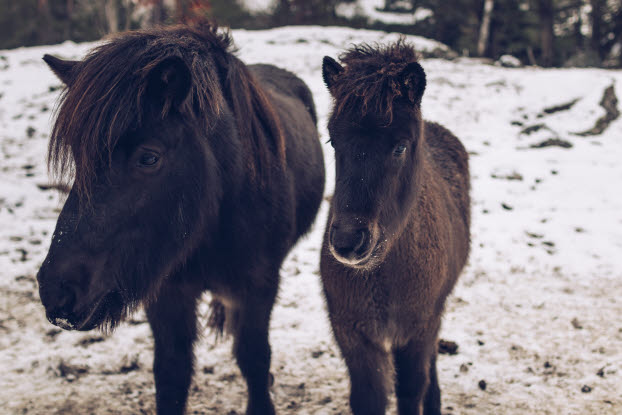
{"x":398,"y":229}
{"x":191,"y":172}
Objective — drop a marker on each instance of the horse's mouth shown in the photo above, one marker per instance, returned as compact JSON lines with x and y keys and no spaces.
{"x":108,"y":309}
{"x":107,"y":306}
{"x":95,"y":316}
{"x":362,"y":262}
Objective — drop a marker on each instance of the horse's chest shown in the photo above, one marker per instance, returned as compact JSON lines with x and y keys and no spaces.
{"x":401,"y":301}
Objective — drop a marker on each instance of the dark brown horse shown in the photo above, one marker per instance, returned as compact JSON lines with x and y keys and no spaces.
{"x":398,"y":229}
{"x":191,"y":172}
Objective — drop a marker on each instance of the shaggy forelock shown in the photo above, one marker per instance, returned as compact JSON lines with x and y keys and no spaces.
{"x":370,"y":82}
{"x":107,"y":97}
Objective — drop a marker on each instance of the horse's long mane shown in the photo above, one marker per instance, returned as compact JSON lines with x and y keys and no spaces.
{"x":371,"y":81}
{"x":107,"y":99}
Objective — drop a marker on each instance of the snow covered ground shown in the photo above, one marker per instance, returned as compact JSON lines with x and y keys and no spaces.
{"x":370,"y":9}
{"x":373,"y":11}
{"x":536,"y":315}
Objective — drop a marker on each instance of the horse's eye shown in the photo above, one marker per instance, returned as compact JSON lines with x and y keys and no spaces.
{"x":399,"y":150}
{"x":148,"y":160}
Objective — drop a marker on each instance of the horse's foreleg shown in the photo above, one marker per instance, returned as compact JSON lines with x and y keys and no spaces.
{"x":252,"y":350}
{"x":432,"y":402}
{"x":412,"y":365}
{"x":370,"y":372}
{"x":173,"y":322}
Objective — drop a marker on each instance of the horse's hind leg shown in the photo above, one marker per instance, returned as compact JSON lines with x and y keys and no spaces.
{"x":412,"y":365}
{"x":174,"y":325}
{"x":251,"y":347}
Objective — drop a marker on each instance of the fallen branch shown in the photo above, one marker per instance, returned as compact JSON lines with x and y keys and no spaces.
{"x":610,"y":103}
{"x":61,"y":187}
{"x":558,"y":108}
{"x":552,"y":142}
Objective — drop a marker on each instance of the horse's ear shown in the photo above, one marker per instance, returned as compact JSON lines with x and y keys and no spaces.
{"x":63,"y":69}
{"x":169,"y":82}
{"x":413,"y":77}
{"x":330,"y":69}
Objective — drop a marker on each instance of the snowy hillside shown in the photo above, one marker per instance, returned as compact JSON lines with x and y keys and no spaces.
{"x":255,"y":6}
{"x":536,"y":314}
{"x":371,"y":9}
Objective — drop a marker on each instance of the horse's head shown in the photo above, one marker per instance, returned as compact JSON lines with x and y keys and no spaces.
{"x":146,"y":187}
{"x":376,"y":131}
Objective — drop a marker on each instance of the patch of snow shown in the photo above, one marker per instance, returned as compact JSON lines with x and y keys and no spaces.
{"x":63,"y":323}
{"x":509,"y":61}
{"x":255,"y":6}
{"x":372,"y":10}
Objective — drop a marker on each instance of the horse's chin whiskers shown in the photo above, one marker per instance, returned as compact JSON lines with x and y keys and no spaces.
{"x":369,"y":262}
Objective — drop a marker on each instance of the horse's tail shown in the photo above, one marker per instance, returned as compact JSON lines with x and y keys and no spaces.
{"x":216,"y":319}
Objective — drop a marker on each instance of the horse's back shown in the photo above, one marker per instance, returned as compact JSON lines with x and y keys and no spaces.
{"x":294,"y":104}
{"x":286,"y":83}
{"x":452,"y":162}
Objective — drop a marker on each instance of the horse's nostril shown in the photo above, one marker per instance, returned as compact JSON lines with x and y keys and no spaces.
{"x":362,"y":235}
{"x":331,"y":235}
{"x":65,"y":302}
{"x":349,"y":243}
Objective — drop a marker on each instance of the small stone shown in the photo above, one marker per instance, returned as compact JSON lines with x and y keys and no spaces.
{"x":447,"y":347}
{"x":509,"y":61}
{"x":326,"y":400}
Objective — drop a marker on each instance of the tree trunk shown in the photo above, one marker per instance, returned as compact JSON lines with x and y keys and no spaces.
{"x":531,"y":56}
{"x":484,"y":30}
{"x":68,"y":19}
{"x":45,"y":33}
{"x":111,"y":12}
{"x":596,"y":16}
{"x":579,"y":39}
{"x":618,"y":27}
{"x":157,"y":13}
{"x":180,"y":11}
{"x":285,"y":6}
{"x":547,"y":36}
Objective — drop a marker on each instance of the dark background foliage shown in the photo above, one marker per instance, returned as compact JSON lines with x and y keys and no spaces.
{"x":538,"y":32}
